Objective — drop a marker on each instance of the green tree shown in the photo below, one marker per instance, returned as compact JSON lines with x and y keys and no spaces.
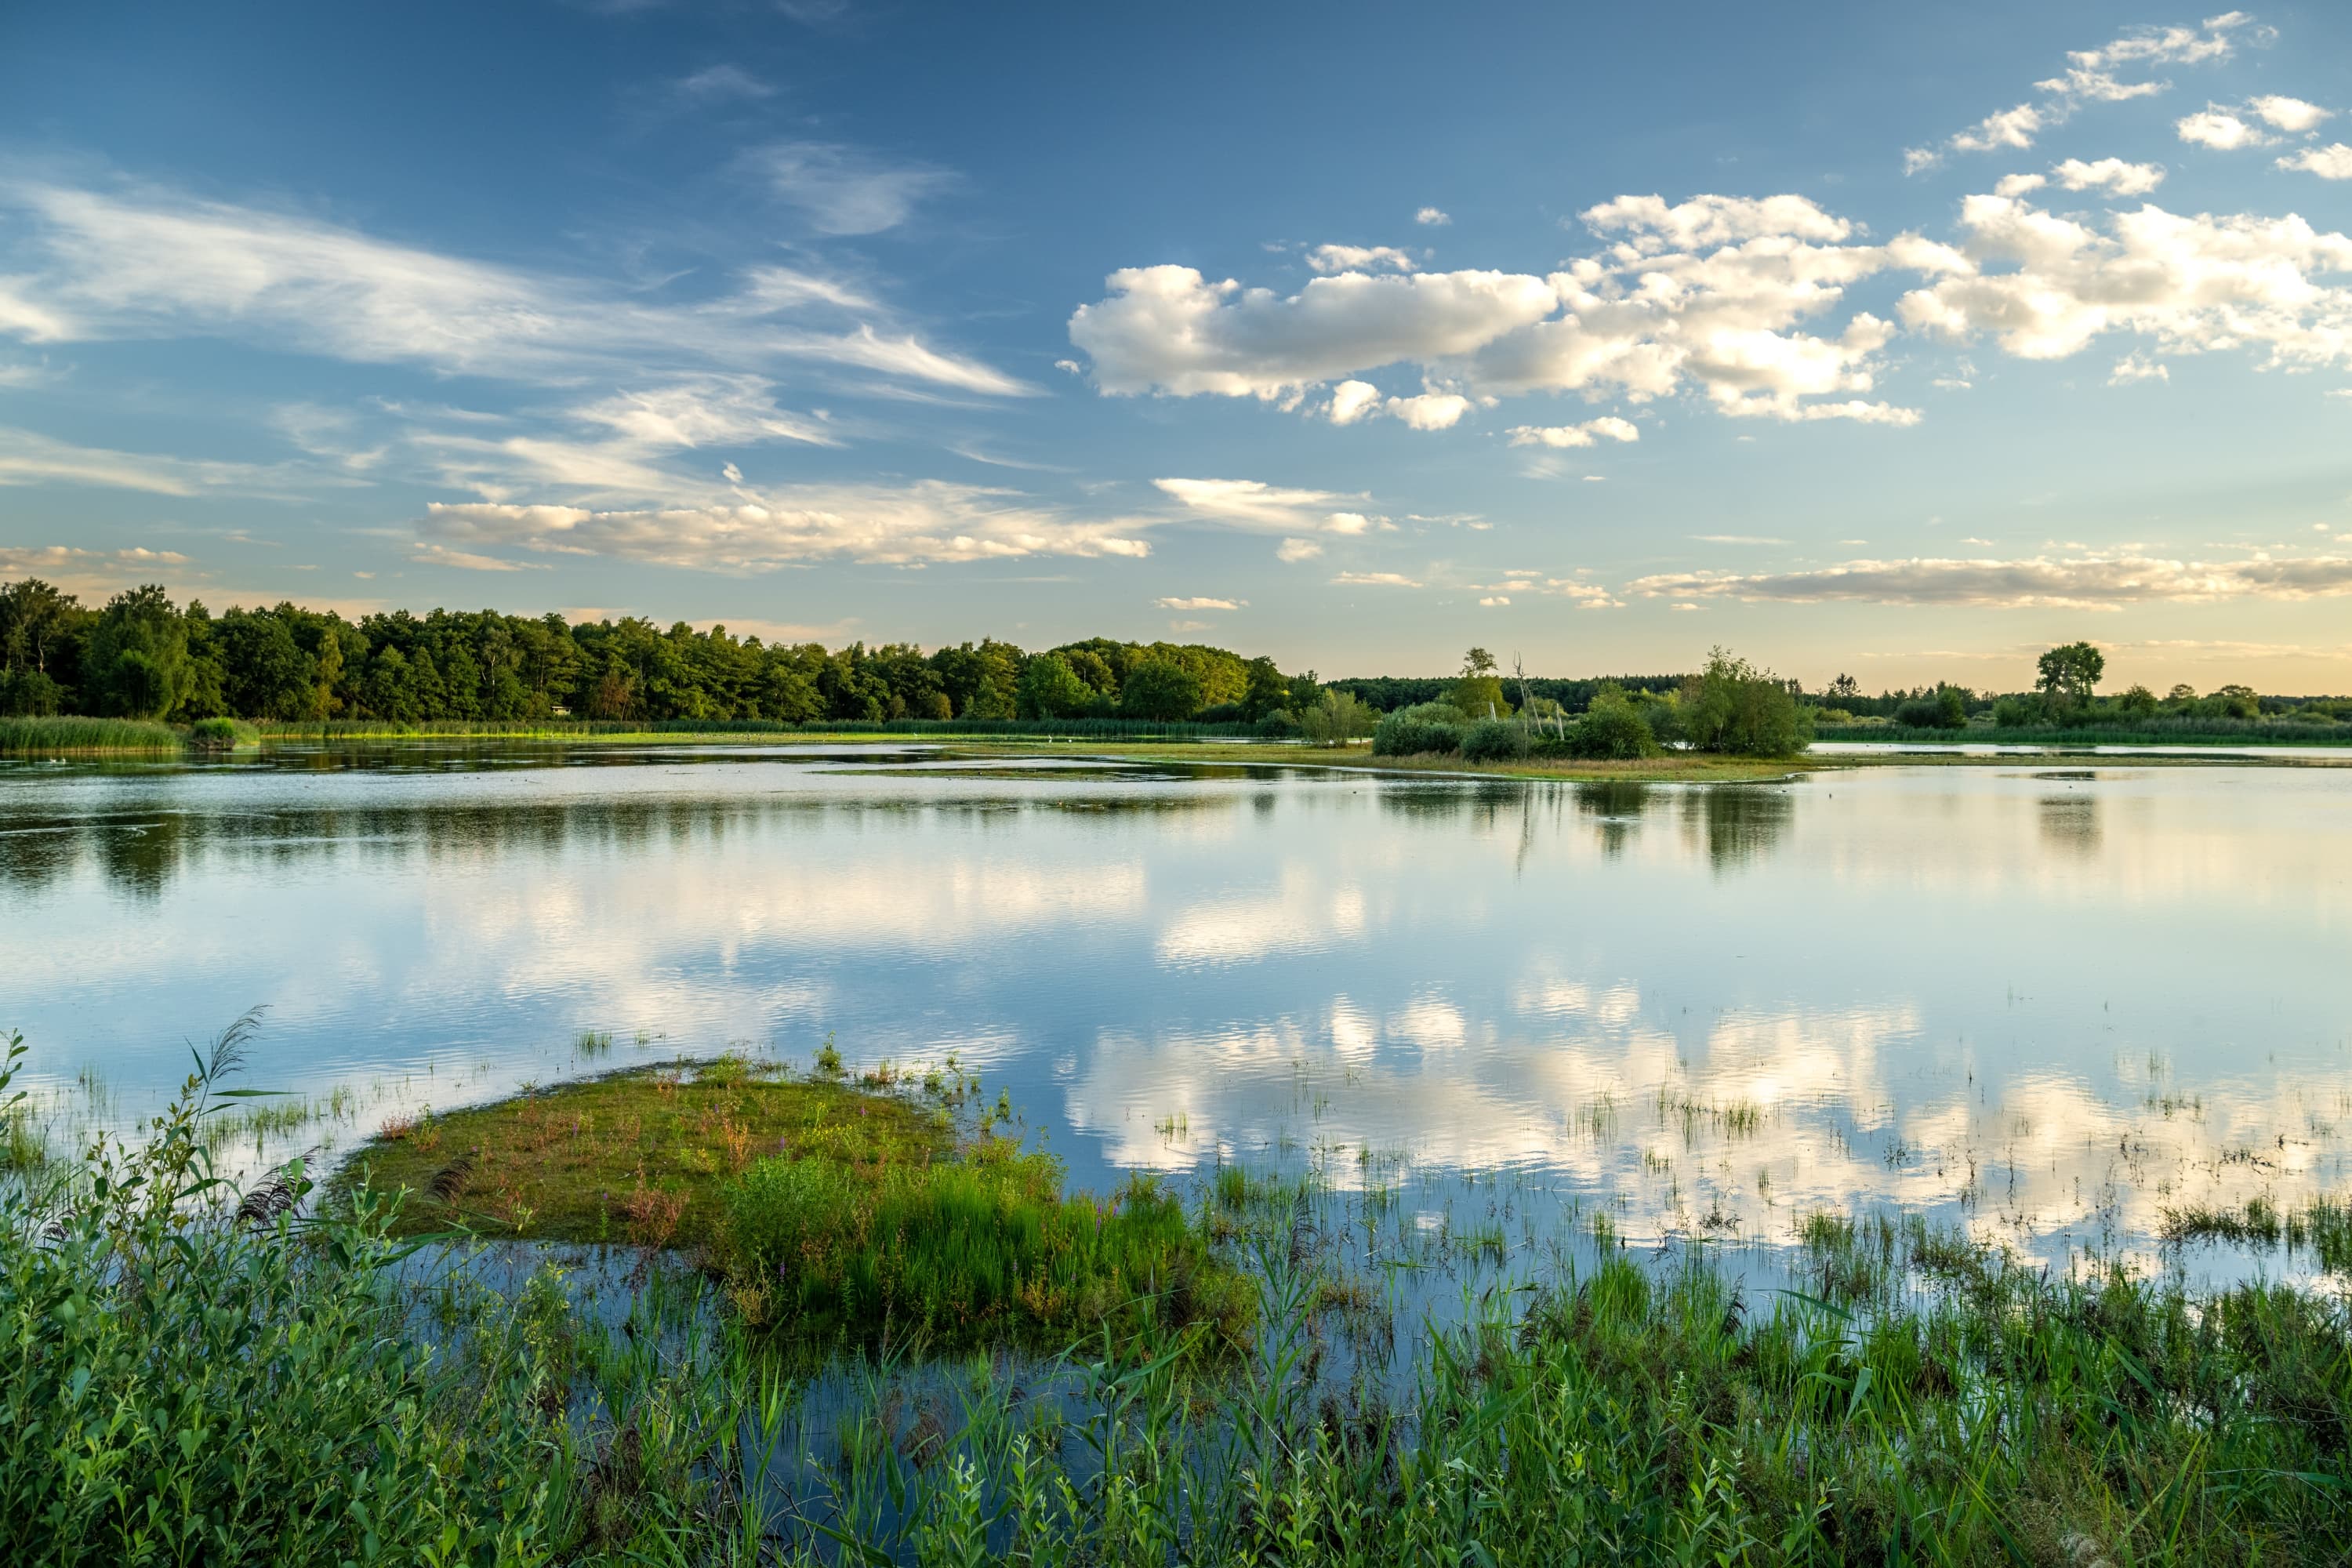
{"x":1266,"y":692}
{"x":1160,"y":690}
{"x":2070,"y":672}
{"x":1338,"y":719}
{"x":1735,"y":708}
{"x":137,"y":662}
{"x":1050,"y":689}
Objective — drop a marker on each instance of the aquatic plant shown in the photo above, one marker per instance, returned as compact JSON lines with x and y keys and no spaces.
{"x":72,"y":736}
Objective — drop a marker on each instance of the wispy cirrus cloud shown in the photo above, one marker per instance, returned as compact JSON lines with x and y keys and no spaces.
{"x":119,"y":260}
{"x":753,"y":530}
{"x":846,"y":190}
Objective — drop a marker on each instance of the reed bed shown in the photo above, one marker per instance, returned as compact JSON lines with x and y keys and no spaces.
{"x":72,"y":737}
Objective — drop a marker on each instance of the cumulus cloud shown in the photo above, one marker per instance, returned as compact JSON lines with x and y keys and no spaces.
{"x":2087,"y":582}
{"x":1584,"y":435}
{"x":1493,"y":600}
{"x":1710,"y":292}
{"x":1354,"y":400}
{"x":2191,"y":283}
{"x":2109,"y":175}
{"x":1200,"y":603}
{"x":128,"y":261}
{"x":2136,"y":367}
{"x":2114,"y":73}
{"x":1430,"y":410}
{"x":1652,"y":226}
{"x":1376,"y":580}
{"x":843,"y":190}
{"x":1297,"y":549}
{"x":2221,"y":130}
{"x":1359,"y":259}
{"x":2330,"y":163}
{"x":53,"y":560}
{"x":2290,"y":115}
{"x":927,"y":521}
{"x":1434,"y":218}
{"x":1583,"y":594}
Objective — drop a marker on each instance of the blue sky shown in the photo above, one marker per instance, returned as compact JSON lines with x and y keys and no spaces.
{"x":1861,"y":341}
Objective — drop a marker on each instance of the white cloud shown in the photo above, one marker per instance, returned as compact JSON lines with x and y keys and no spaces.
{"x":2134,"y":367}
{"x":1200,"y":603}
{"x":54,"y":561}
{"x":1430,"y":410}
{"x":2290,"y":115}
{"x":2078,"y":583}
{"x":723,"y":83}
{"x":1358,"y":259}
{"x":845,"y":191}
{"x":1297,"y":549}
{"x":2218,"y":129}
{"x":1376,"y":580}
{"x":2020,"y":184}
{"x":2330,"y":163}
{"x":1354,"y":400}
{"x":1641,"y":319}
{"x":135,"y":261}
{"x":1652,"y":227}
{"x":28,"y":458}
{"x":1736,"y":539}
{"x":1432,"y":217}
{"x":1491,"y":601}
{"x":2090,"y":75}
{"x":927,"y":521}
{"x":2108,"y":174}
{"x":1272,"y":509}
{"x":1168,"y":328}
{"x":2190,"y":284}
{"x":1584,"y":435}
{"x":2010,"y":128}
{"x":429,"y":554}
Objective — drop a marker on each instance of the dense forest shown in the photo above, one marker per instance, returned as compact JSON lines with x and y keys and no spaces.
{"x":142,"y":656}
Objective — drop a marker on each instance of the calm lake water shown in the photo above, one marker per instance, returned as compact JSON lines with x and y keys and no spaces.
{"x":2048,"y":1002}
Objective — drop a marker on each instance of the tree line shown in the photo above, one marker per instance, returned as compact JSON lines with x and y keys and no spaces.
{"x":141,"y":656}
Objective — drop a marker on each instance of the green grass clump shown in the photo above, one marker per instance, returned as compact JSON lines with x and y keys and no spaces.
{"x":66,"y":737}
{"x":222,"y":734}
{"x":641,"y":1155}
{"x":949,"y":1255}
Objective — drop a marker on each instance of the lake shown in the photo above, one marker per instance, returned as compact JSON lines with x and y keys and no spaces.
{"x":2048,"y":1002}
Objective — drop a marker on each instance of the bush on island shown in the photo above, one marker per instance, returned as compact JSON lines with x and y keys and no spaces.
{"x":1493,"y":740}
{"x":1423,"y":728}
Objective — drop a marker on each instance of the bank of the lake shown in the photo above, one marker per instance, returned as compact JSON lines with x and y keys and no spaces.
{"x":238,"y":1376}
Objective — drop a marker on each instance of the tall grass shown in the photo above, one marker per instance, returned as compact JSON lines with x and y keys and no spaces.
{"x":2153,"y":732}
{"x":986,"y":1249}
{"x":64,"y":737}
{"x":614,"y":728}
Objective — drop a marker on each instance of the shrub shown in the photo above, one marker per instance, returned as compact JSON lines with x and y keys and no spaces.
{"x":1612,"y":729}
{"x":1493,"y":740}
{"x":1279,"y":725}
{"x":192,"y":1378}
{"x":222,"y":734}
{"x":1423,"y":728}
